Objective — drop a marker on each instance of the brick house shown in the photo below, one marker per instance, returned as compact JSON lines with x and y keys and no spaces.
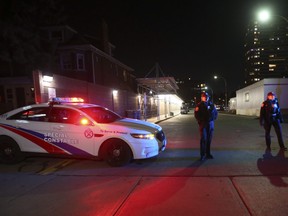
{"x":89,"y":58}
{"x":79,"y":57}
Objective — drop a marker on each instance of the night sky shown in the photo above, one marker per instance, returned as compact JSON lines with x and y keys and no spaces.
{"x":194,"y":39}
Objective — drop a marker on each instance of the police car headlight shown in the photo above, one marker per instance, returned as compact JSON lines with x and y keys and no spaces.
{"x":143,"y":136}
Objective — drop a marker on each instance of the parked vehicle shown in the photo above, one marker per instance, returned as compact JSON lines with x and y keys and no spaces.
{"x":68,"y":126}
{"x":184,"y":110}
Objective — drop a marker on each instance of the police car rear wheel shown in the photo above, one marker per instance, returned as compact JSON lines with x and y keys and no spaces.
{"x":117,"y":153}
{"x":9,"y":151}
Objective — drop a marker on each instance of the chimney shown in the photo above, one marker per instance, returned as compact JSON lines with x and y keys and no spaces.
{"x":105,"y":38}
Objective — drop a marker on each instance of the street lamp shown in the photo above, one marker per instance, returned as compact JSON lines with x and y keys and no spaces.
{"x":265,"y":15}
{"x":225,"y":82}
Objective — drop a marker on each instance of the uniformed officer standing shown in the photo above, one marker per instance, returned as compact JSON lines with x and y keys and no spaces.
{"x":270,"y":115}
{"x":205,"y":113}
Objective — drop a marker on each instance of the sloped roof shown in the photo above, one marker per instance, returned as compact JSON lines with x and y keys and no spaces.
{"x":159,"y":84}
{"x":78,"y":39}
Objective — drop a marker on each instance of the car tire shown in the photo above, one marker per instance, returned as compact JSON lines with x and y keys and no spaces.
{"x":117,"y":153}
{"x":10,"y":152}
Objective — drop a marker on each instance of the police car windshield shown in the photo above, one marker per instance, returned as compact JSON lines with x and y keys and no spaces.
{"x":101,"y":114}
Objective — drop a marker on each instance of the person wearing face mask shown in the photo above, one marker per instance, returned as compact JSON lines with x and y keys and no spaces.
{"x":205,"y":114}
{"x":270,"y":115}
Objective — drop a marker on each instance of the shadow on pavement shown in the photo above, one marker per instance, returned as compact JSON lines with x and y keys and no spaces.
{"x":274,"y":167}
{"x":154,"y":190}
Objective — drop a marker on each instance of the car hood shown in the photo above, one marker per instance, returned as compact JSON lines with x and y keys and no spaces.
{"x":138,"y":124}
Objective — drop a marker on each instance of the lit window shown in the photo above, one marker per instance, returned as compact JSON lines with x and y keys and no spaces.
{"x":272,"y":65}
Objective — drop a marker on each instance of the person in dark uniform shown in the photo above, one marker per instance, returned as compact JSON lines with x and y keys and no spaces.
{"x":205,"y":113}
{"x":270,"y":115}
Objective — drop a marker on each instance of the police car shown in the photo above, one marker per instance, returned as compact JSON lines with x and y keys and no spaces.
{"x":68,"y":126}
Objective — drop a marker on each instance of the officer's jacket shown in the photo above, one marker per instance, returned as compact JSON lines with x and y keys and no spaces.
{"x":205,"y":112}
{"x":270,"y":111}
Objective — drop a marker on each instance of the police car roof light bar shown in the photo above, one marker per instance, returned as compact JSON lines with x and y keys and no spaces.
{"x":58,"y":100}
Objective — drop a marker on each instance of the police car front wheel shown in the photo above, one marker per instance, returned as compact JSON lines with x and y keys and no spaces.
{"x":9,"y":151}
{"x":117,"y":153}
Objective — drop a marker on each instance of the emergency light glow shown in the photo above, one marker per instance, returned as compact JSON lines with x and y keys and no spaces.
{"x":75,"y":100}
{"x":68,"y":100}
{"x":84,"y":121}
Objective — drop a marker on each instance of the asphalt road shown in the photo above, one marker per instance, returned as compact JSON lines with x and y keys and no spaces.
{"x":242,"y":179}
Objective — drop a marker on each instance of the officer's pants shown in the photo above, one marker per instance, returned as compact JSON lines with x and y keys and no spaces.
{"x":278,"y":130}
{"x":206,"y":133}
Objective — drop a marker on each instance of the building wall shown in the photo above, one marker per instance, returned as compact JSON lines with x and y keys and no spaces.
{"x":121,"y":102}
{"x":15,"y":92}
{"x":170,"y":104}
{"x":250,"y":98}
{"x":91,"y":93}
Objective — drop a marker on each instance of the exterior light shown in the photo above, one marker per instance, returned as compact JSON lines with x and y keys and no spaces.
{"x":48,"y":78}
{"x":114,"y":92}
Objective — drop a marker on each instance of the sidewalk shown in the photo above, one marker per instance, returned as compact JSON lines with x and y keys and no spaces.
{"x":159,"y":118}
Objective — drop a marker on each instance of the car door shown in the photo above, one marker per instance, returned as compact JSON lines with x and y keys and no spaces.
{"x":70,"y":132}
{"x":29,"y":127}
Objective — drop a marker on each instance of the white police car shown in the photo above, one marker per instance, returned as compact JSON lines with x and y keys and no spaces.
{"x":65,"y":126}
